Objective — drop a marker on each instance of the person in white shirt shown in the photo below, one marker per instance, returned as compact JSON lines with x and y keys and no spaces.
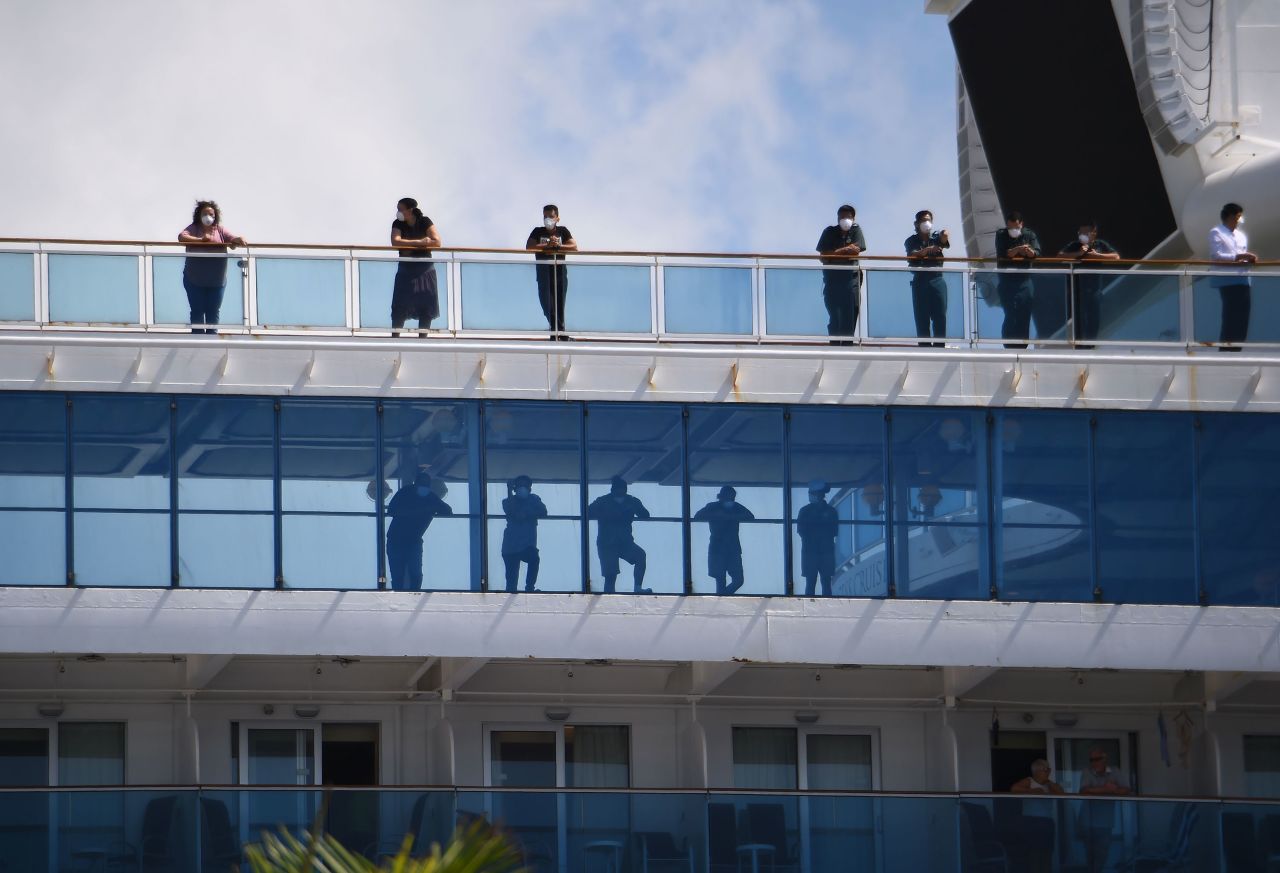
{"x":1228,"y":244}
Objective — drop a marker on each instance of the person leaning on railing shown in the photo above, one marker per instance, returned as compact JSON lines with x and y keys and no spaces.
{"x":1086,"y":296}
{"x":928,"y":287}
{"x":1016,"y":248}
{"x":553,"y":276}
{"x":1228,"y":244}
{"x":416,"y":293}
{"x":205,"y":278}
{"x":841,"y":288}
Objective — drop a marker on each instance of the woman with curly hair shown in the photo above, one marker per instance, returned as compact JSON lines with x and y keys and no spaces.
{"x":205,"y":278}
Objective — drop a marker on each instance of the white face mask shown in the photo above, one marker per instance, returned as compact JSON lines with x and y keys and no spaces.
{"x":1015,"y":232}
{"x":549,"y":222}
{"x":1084,"y":239}
{"x":402,"y":217}
{"x":1240,"y":223}
{"x":206,"y":220}
{"x":926,"y":227}
{"x":846,"y":223}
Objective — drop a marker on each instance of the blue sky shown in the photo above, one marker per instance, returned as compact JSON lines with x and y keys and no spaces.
{"x":727,"y":125}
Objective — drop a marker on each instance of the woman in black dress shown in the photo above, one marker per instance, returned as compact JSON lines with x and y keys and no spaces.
{"x":415,"y":294}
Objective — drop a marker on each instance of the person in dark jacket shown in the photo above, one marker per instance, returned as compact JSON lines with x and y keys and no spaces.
{"x":614,"y":513}
{"x":928,"y":286}
{"x":411,"y":511}
{"x":1086,"y":296}
{"x":724,"y":551}
{"x":522,"y":508}
{"x":817,"y":525}
{"x":1017,"y":247}
{"x":553,"y":276}
{"x":416,"y":293}
{"x":838,"y":245}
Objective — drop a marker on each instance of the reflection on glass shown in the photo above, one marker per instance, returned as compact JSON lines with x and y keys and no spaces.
{"x":17,"y":285}
{"x":707,"y":300}
{"x":1257,"y":309}
{"x":32,"y":489}
{"x":170,"y":304}
{"x":1239,"y":550}
{"x":24,"y":757}
{"x":93,"y":288}
{"x":939,"y":460}
{"x":91,"y":753}
{"x":635,"y":484}
{"x":301,"y":292}
{"x":899,"y":303}
{"x":1130,"y":306}
{"x":535,"y":523}
{"x":1042,"y":484}
{"x":1017,"y":305}
{"x":793,"y":302}
{"x":1144,"y":513}
{"x":377,"y":280}
{"x":327,"y":462}
{"x":120,"y":447}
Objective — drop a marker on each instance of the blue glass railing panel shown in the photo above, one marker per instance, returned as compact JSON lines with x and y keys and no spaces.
{"x":377,"y":282}
{"x":93,"y":288}
{"x":1020,"y":305}
{"x":206,"y":561}
{"x":17,"y":286}
{"x":907,"y":303}
{"x":301,"y":292}
{"x":501,"y":296}
{"x":1130,"y":307}
{"x":1263,"y":307}
{"x":708,"y":300}
{"x":310,"y":561}
{"x":169,"y":295}
{"x":793,"y":302}
{"x":609,"y":298}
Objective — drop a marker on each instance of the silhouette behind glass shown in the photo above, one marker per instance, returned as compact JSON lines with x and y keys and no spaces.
{"x":411,"y":511}
{"x":724,"y":550}
{"x":614,"y":513}
{"x":522,"y":508}
{"x":816,"y":522}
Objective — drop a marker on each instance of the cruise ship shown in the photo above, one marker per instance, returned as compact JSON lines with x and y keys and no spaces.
{"x":1063,"y":552}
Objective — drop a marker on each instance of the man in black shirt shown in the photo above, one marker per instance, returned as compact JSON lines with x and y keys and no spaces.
{"x":817,"y":523}
{"x":928,"y":287}
{"x":614,"y":512}
{"x":1016,"y":248}
{"x":553,"y":277}
{"x":411,"y":512}
{"x":839,"y":245}
{"x":1086,"y":290}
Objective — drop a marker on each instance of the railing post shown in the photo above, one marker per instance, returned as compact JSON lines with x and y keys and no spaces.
{"x":40,"y":285}
{"x":659,"y":294}
{"x":1186,"y":308}
{"x":353,"y":292}
{"x":250,"y":284}
{"x":759,"y":325}
{"x":144,"y":310}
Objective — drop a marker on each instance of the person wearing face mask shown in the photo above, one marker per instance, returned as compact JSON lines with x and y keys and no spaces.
{"x":205,"y":278}
{"x":1017,"y":247}
{"x":724,"y":550}
{"x":548,"y":240}
{"x":928,"y":285}
{"x":614,"y":513}
{"x":839,"y":245}
{"x":416,"y":293}
{"x":817,"y":525}
{"x":522,"y":508}
{"x":411,"y":511}
{"x":1229,"y":245}
{"x":1086,"y":290}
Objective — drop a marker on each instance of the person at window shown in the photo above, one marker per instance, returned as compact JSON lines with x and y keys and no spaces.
{"x":817,"y":525}
{"x":1086,"y":291}
{"x":839,"y":245}
{"x":549,"y":240}
{"x":614,"y":513}
{"x":724,"y":550}
{"x":205,"y":278}
{"x":928,"y":285}
{"x":1017,"y":247}
{"x":1229,"y":245}
{"x":1037,"y":825}
{"x":1038,"y":782}
{"x":416,"y":293}
{"x":1100,"y":780}
{"x":522,"y":508}
{"x":411,"y":511}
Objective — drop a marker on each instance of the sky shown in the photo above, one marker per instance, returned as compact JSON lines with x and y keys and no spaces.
{"x":656,"y":125}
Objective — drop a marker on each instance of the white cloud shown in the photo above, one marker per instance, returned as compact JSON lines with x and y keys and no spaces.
{"x":656,"y":125}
